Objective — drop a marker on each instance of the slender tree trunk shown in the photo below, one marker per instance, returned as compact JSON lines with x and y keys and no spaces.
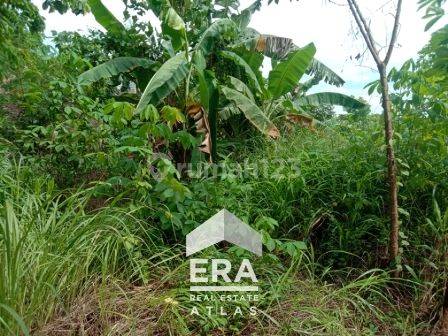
{"x":391,"y":165}
{"x":364,"y":28}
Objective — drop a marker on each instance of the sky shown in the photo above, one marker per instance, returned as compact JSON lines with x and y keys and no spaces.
{"x":329,"y":25}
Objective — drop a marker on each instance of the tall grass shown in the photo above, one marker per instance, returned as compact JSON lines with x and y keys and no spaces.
{"x":51,"y":248}
{"x":327,"y":188}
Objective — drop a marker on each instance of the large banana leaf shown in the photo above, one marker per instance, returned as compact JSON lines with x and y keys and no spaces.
{"x":320,"y":71}
{"x":174,"y":27}
{"x":241,"y":87}
{"x":254,"y":59}
{"x":330,"y":98}
{"x":105,"y":18}
{"x":242,"y":19}
{"x":275,"y":47}
{"x":228,"y":111}
{"x":287,"y":74}
{"x":218,"y":30}
{"x":242,"y":63}
{"x":252,"y":112}
{"x":164,"y":81}
{"x":278,"y":48}
{"x":112,"y":68}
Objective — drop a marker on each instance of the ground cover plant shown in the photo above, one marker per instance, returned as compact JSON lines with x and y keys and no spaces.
{"x":118,"y":143}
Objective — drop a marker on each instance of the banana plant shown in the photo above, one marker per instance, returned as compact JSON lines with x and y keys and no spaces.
{"x":189,"y":68}
{"x":282,"y":90}
{"x":189,"y":62}
{"x":279,"y":48}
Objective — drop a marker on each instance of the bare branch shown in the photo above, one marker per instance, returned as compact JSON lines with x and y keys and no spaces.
{"x":394,"y":33}
{"x":365,"y":30}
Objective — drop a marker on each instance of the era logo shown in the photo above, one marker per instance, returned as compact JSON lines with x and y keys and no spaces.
{"x":208,"y":275}
{"x":220,"y":268}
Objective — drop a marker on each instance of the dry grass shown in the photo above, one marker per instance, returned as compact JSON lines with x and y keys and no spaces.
{"x":308,"y":308}
{"x":110,"y":310}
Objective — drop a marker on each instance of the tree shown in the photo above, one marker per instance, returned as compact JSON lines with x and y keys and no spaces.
{"x":20,"y":26}
{"x":382,"y":64}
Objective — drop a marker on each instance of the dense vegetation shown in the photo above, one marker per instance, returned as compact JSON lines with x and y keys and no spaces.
{"x":118,"y":143}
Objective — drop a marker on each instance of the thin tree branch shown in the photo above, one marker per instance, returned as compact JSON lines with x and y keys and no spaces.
{"x":361,"y":27}
{"x":365,"y":30}
{"x":394,"y":33}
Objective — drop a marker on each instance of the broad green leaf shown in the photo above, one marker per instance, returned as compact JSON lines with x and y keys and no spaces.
{"x":330,"y":98}
{"x":173,"y":20}
{"x":164,"y":81}
{"x":218,"y":30}
{"x":150,"y":113}
{"x":287,"y":74}
{"x":242,"y":63}
{"x":199,"y":60}
{"x":213,"y":119}
{"x":174,"y":27}
{"x":255,"y":61}
{"x":243,"y":19}
{"x":228,"y":111}
{"x":172,"y":115}
{"x":112,"y":68}
{"x":124,"y":109}
{"x":105,"y":18}
{"x":252,"y":112}
{"x":205,"y":88}
{"x":241,"y":87}
{"x":320,"y":71}
{"x":279,"y":48}
{"x":122,"y":112}
{"x":253,"y":58}
{"x":168,"y":46}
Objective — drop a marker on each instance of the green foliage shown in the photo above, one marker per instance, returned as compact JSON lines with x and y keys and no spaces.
{"x":51,"y":246}
{"x":62,"y":6}
{"x":434,"y":11}
{"x":106,"y":130}
{"x":321,"y":112}
{"x":421,"y":85}
{"x":164,"y":81}
{"x":241,"y":62}
{"x":19,"y":17}
{"x":218,"y":30}
{"x":287,"y":74}
{"x":20,"y":25}
{"x":112,"y":68}
{"x":436,"y":53}
{"x":104,"y":17}
{"x":252,"y":112}
{"x":241,"y":87}
{"x":330,"y":98}
{"x":358,"y":114}
{"x":278,"y":48}
{"x":174,"y":27}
